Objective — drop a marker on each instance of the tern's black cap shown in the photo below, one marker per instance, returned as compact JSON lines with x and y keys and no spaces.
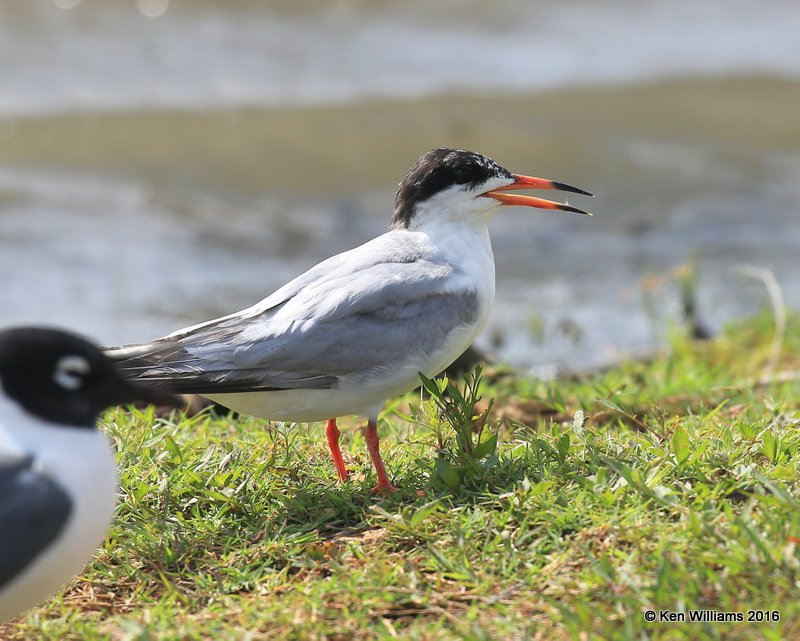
{"x":437,"y":170}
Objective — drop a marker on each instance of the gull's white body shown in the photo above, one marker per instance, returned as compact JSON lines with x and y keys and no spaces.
{"x":82,"y":463}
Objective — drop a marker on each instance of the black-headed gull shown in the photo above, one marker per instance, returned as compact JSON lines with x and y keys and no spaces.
{"x":58,"y":477}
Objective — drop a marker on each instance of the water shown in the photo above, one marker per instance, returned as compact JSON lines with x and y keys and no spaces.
{"x":156,"y":172}
{"x":109,"y":56}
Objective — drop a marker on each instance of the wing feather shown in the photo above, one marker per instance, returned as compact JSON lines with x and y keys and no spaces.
{"x":33,"y":511}
{"x":350,"y":315}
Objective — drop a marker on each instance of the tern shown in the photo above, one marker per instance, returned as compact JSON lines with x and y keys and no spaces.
{"x":58,"y":478}
{"x":359,"y":327}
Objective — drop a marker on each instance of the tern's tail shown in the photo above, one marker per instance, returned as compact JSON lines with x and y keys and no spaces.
{"x":206,"y":364}
{"x":156,"y":363}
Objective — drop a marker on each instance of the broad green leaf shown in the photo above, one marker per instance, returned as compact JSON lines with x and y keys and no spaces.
{"x":489,"y":446}
{"x":681,"y":445}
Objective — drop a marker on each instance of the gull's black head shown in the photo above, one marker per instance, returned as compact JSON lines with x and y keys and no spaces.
{"x":63,"y":379}
{"x":441,"y":169}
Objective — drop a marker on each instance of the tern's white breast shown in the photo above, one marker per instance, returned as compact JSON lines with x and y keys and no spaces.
{"x":469,"y":252}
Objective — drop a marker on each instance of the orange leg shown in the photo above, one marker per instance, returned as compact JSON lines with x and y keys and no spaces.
{"x":332,"y":432}
{"x":373,"y":445}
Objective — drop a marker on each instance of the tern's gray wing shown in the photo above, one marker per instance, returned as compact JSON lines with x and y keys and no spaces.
{"x":33,"y":511}
{"x":353,"y":315}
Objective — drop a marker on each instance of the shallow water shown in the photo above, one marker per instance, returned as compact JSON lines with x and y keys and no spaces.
{"x":159,"y":172}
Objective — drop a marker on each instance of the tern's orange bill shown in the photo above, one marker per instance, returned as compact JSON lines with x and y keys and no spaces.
{"x":531,"y":182}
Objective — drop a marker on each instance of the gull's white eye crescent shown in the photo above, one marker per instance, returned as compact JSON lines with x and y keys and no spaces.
{"x":71,"y":371}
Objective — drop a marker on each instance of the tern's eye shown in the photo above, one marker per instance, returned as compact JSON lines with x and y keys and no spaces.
{"x":71,"y":372}
{"x":462,"y":175}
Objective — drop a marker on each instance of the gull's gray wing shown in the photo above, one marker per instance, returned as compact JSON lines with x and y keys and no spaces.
{"x":371,"y":308}
{"x":33,"y":511}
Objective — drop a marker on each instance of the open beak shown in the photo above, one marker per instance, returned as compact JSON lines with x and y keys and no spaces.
{"x":529,"y":182}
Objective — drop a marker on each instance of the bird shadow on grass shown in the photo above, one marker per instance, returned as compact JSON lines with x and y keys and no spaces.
{"x":284,"y":518}
{"x":331,"y":511}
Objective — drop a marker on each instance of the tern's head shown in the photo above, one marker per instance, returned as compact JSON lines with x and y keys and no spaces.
{"x":465,"y":186}
{"x":63,"y":379}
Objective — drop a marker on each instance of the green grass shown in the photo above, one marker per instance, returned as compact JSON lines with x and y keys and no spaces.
{"x":677,"y":488}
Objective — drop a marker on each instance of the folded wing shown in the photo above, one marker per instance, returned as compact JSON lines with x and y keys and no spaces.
{"x":349,"y":316}
{"x":33,"y":511}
